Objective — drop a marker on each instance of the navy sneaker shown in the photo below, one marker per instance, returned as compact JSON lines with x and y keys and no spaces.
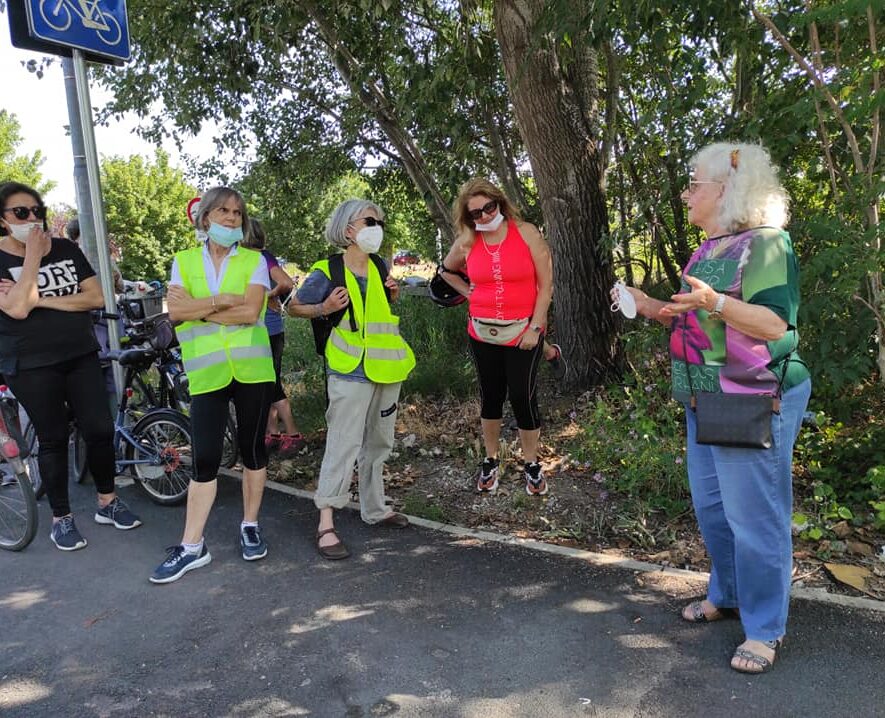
{"x":65,"y":536}
{"x":178,"y":563}
{"x":117,"y":514}
{"x":251,"y":543}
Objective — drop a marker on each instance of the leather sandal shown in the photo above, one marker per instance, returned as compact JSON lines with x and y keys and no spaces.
{"x":694,"y":613}
{"x":334,"y":551}
{"x":395,"y":521}
{"x":756,"y":664}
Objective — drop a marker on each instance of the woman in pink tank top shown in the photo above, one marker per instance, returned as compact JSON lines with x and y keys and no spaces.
{"x":511,"y":284}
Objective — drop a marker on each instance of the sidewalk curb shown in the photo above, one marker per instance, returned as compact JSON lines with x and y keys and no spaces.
{"x":818,"y":595}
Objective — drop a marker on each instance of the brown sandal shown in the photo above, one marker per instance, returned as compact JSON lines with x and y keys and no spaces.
{"x":694,"y":613}
{"x":335,"y":551}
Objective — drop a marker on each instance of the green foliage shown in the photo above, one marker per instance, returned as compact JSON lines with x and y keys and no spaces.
{"x":416,"y":505}
{"x":634,"y":435}
{"x":146,"y":206}
{"x":15,"y":167}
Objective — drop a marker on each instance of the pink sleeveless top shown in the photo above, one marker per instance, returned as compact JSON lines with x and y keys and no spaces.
{"x":503,"y":276}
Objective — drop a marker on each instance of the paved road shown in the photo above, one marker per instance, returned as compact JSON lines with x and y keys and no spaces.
{"x":417,"y":623}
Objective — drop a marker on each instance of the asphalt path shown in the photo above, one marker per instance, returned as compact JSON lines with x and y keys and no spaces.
{"x":416,"y":623}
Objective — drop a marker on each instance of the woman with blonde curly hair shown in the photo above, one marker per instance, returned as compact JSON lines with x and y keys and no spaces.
{"x":733,"y":330}
{"x":511,"y":284}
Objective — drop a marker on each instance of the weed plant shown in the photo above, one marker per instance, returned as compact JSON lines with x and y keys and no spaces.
{"x":634,"y":435}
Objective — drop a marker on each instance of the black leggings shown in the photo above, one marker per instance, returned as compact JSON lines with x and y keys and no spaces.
{"x":209,"y":414}
{"x":46,"y":393}
{"x":502,"y":370}
{"x":277,"y":341}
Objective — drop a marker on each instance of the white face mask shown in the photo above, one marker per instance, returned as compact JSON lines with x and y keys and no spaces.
{"x":20,"y":232}
{"x":491,"y":226}
{"x":369,"y":239}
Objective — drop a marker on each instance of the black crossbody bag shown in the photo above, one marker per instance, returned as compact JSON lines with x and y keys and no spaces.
{"x":736,"y":420}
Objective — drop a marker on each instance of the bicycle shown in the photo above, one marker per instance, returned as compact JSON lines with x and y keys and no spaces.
{"x":59,"y":18}
{"x":18,"y":504}
{"x":164,"y":383}
{"x":153,"y":447}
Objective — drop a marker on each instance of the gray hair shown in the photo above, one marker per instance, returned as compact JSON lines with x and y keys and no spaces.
{"x":216,"y":197}
{"x":753,"y":194}
{"x":343,"y":215}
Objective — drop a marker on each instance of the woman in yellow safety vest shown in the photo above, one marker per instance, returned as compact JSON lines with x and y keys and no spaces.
{"x":218,"y":293}
{"x":367,"y":360}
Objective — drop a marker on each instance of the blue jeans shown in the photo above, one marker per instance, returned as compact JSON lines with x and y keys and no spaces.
{"x":743,"y":500}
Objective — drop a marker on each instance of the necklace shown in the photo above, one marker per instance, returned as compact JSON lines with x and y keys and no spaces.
{"x":497,"y":246}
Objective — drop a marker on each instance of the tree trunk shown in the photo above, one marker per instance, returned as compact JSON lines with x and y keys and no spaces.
{"x":557,"y":110}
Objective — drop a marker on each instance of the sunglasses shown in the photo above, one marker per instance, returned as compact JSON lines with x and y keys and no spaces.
{"x":22,"y":213}
{"x":371,"y":221}
{"x":487,"y":208}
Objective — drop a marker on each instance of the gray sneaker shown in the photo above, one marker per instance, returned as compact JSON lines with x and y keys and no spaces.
{"x":65,"y":536}
{"x":117,"y":514}
{"x":251,"y":543}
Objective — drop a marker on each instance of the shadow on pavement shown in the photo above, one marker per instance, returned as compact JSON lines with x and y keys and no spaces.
{"x":416,"y":623}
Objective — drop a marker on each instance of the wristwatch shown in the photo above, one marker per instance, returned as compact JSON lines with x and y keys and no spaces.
{"x":718,"y":307}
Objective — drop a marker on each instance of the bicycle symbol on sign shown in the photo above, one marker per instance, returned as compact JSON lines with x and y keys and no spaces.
{"x":59,"y":14}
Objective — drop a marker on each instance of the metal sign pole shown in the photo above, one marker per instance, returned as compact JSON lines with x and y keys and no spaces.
{"x":81,"y":76}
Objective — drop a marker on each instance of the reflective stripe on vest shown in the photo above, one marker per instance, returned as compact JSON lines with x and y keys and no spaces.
{"x":213,"y":354}
{"x":377,"y":342}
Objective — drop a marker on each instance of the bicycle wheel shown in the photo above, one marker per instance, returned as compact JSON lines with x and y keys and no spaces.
{"x":77,"y":468}
{"x":163,"y":438}
{"x":231,"y":449}
{"x":18,"y":508}
{"x":31,"y":463}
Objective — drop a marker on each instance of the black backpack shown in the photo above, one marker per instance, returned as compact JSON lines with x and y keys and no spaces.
{"x":322,"y":326}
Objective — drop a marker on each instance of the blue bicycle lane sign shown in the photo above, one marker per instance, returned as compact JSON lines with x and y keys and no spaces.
{"x":96,"y":26}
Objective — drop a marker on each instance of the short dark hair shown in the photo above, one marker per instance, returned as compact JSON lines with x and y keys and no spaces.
{"x":7,"y":189}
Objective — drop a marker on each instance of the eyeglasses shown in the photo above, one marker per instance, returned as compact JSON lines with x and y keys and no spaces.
{"x":487,"y":208}
{"x":370,"y":221}
{"x":22,"y":213}
{"x":693,"y":184}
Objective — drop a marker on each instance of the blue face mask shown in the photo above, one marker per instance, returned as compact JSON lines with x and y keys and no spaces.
{"x":225,"y":236}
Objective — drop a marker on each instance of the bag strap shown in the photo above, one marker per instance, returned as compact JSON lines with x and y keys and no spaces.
{"x":336,"y":276}
{"x":780,"y":385}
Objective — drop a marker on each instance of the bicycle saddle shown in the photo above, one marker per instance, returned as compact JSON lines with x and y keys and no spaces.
{"x":133,"y":357}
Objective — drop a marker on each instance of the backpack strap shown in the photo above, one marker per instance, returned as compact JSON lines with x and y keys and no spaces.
{"x":383,"y":271}
{"x":336,"y":276}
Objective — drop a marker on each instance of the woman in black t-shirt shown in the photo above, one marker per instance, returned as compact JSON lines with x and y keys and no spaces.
{"x":48,"y":354}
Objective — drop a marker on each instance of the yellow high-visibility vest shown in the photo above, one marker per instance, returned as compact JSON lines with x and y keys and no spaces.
{"x":386,"y":356}
{"x":215,"y":354}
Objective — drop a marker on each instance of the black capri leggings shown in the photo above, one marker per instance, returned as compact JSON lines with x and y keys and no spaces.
{"x":209,"y":414}
{"x":502,"y":370}
{"x":47,"y":393}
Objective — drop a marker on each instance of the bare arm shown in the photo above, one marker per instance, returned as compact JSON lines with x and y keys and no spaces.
{"x":338,"y":299}
{"x":21,"y":297}
{"x":543,"y":271}
{"x":456,"y":261}
{"x":753,"y":320}
{"x":245,"y":313}
{"x":183,"y":307}
{"x":283,"y":280}
{"x":646,"y":306}
{"x":89,"y":297}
